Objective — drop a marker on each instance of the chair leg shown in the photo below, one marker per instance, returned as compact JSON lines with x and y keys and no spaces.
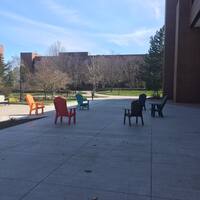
{"x":142,"y":120}
{"x":56,"y":119}
{"x":74,"y":116}
{"x":42,"y":110}
{"x":152,"y":112}
{"x":124,"y":119}
{"x":36,"y":111}
{"x":69,"y":120}
{"x":136,"y":120}
{"x":129,"y":118}
{"x":61,"y":119}
{"x":160,"y":113}
{"x":30,"y":112}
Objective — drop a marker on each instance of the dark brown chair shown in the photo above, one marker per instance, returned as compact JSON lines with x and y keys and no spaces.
{"x":158,"y":107}
{"x":142,"y":100}
{"x":135,"y":111}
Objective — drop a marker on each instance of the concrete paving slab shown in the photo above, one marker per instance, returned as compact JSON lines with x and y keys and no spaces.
{"x":104,"y":174}
{"x":28,"y":167}
{"x":12,"y":189}
{"x":55,"y":192}
{"x":51,"y":145}
{"x":101,"y":157}
{"x":176,"y":181}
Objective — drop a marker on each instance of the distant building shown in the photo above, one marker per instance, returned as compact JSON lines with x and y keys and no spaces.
{"x":182,"y":50}
{"x":75,"y":64}
{"x":1,"y":50}
{"x":31,"y":60}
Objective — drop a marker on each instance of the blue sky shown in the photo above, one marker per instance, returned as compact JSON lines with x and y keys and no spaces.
{"x":96,"y":26}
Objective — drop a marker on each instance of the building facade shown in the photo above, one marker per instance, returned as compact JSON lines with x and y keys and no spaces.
{"x":122,"y":68}
{"x":182,"y":51}
{"x":1,"y":50}
{"x":30,"y":59}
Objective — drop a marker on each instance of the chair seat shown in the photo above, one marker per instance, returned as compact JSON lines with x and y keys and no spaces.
{"x":84,"y":104}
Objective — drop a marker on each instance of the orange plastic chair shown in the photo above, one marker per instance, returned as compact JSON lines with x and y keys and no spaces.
{"x":34,"y":105}
{"x":62,"y":111}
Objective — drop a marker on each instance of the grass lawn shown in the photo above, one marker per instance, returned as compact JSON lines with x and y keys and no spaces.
{"x":14,"y":98}
{"x":123,"y":92}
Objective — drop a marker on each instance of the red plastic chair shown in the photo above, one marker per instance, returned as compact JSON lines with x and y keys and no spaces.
{"x":62,"y":111}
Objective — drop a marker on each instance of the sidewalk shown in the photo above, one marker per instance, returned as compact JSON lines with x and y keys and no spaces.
{"x":101,"y":158}
{"x":20,"y":111}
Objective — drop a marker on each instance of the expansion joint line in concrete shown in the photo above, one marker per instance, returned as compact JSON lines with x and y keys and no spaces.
{"x":50,"y":173}
{"x":151,"y":164}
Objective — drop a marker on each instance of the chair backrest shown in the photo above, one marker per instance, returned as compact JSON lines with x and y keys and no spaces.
{"x":142,"y":99}
{"x":60,"y":106}
{"x":79,"y":98}
{"x":136,"y":108}
{"x":29,"y":99}
{"x":163,"y":102}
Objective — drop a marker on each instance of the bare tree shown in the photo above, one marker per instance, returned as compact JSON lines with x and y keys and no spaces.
{"x":59,"y":80}
{"x":55,"y":49}
{"x":95,"y":70}
{"x":75,"y":66}
{"x":131,"y":74}
{"x":49,"y":78}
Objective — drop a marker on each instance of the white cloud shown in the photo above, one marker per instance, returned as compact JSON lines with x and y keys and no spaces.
{"x":139,"y":37}
{"x":69,"y":15}
{"x":24,"y":20}
{"x":44,"y":34}
{"x":156,"y":7}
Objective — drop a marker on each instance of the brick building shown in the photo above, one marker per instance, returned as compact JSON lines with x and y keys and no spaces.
{"x":182,"y":51}
{"x":1,"y":50}
{"x":30,"y":59}
{"x":76,"y":63}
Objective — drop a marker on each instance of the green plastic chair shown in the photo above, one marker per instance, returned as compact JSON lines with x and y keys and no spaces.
{"x":82,"y":102}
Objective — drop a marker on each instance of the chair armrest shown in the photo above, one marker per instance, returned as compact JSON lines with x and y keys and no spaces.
{"x":39,"y":103}
{"x":85,"y":101}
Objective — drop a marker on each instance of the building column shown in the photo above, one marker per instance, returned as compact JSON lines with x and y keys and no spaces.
{"x":187,"y":56}
{"x":170,"y":26}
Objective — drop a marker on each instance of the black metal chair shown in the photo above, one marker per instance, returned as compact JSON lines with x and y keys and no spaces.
{"x":158,"y":107}
{"x":135,"y":111}
{"x":142,"y":100}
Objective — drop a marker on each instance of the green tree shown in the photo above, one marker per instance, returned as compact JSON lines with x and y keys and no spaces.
{"x":3,"y":70}
{"x":9,"y":79}
{"x":151,"y":70}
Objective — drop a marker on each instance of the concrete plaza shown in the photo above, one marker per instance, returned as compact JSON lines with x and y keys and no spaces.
{"x":100,"y":158}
